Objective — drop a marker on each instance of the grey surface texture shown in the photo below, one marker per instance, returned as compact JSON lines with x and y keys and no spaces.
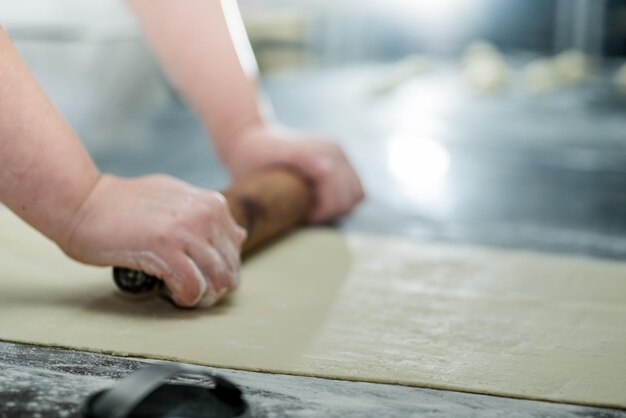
{"x":47,"y":382}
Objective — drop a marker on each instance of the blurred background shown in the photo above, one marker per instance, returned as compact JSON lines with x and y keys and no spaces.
{"x":496,"y":122}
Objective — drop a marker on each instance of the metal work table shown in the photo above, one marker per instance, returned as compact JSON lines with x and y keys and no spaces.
{"x":504,"y":169}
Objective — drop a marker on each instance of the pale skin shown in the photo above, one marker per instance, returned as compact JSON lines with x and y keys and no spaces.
{"x":180,"y":233}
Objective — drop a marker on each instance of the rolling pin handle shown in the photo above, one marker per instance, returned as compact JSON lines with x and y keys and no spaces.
{"x":134,"y":281}
{"x":266,"y":205}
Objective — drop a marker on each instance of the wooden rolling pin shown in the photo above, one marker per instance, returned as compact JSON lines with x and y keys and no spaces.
{"x":266,"y":205}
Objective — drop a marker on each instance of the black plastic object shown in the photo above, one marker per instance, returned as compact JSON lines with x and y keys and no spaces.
{"x":134,"y":281}
{"x":147,"y":393}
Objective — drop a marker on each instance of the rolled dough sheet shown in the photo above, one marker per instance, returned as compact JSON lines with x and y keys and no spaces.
{"x":351,"y":306}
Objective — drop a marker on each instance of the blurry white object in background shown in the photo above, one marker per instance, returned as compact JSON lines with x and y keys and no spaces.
{"x":441,"y":22}
{"x":539,"y":76}
{"x":68,"y":19}
{"x":244,"y":51}
{"x":580,"y":25}
{"x":434,"y":13}
{"x":484,"y":67}
{"x":568,"y":68}
{"x":240,"y":39}
{"x":420,"y":166}
{"x":572,"y":66}
{"x":281,"y":37}
{"x":620,"y":78}
{"x":403,"y":71}
{"x":478,"y":49}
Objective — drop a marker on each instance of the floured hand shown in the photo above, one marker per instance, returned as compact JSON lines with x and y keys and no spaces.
{"x":184,"y":235}
{"x":337,"y":186}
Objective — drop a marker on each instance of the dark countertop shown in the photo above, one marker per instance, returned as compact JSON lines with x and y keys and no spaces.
{"x":47,"y":382}
{"x":504,"y":170}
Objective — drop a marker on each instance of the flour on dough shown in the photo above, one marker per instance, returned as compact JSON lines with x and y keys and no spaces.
{"x":351,"y":306}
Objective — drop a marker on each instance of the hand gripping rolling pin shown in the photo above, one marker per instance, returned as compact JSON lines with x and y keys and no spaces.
{"x":266,"y":205}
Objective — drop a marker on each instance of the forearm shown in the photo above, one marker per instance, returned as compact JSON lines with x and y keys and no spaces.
{"x":192,"y":40}
{"x":45,"y":173}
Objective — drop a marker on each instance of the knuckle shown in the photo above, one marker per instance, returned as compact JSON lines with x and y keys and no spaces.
{"x":172,"y":237}
{"x":186,"y":219}
{"x":208,"y":216}
{"x":217,"y":198}
{"x":164,"y":238}
{"x":214,"y":205}
{"x":201,"y":211}
{"x":204,"y":215}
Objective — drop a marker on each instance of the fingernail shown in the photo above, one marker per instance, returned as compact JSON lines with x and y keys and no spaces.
{"x":204,"y":286}
{"x":210,"y":297}
{"x":236,"y":280}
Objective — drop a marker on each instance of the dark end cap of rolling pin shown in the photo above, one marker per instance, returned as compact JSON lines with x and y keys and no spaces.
{"x":134,"y":281}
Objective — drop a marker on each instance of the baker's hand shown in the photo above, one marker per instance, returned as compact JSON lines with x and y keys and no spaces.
{"x":182,"y":234}
{"x":337,"y":188}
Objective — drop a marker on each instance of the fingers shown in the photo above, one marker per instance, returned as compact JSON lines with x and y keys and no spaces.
{"x":213,"y":268}
{"x":335,"y":199}
{"x":230,"y":254}
{"x":337,"y":189}
{"x":201,"y":252}
{"x":212,"y":240}
{"x":226,"y":237}
{"x":200,"y":275}
{"x":186,"y":283}
{"x":165,"y":227}
{"x":337,"y":185}
{"x":218,"y":262}
{"x":212,"y":247}
{"x":236,"y":233}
